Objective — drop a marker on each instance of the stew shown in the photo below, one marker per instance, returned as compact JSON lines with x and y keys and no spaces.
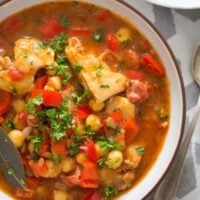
{"x":85,"y":99}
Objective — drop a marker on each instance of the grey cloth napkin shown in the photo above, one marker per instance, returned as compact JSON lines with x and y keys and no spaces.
{"x":181,"y":28}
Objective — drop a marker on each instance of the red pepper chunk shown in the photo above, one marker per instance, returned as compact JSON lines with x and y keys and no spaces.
{"x":52,"y":98}
{"x":51,"y":27}
{"x":93,"y":196}
{"x":44,"y":147}
{"x":5,"y":101}
{"x":112,"y":42}
{"x":41,"y":82}
{"x":38,"y":167}
{"x":103,"y":16}
{"x":89,"y":175}
{"x":82,"y":111}
{"x":131,"y":129}
{"x":36,"y":92}
{"x":134,"y":74}
{"x":153,"y":65}
{"x":14,"y":74}
{"x":59,"y":148}
{"x":91,"y":152}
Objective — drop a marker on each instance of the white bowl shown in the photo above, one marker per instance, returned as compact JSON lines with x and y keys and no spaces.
{"x":177,"y":118}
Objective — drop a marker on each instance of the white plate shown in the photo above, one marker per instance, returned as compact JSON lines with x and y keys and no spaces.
{"x":180,"y":4}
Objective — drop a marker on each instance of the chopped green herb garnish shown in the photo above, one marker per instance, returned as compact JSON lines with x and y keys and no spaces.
{"x":51,"y":113}
{"x":107,"y":145}
{"x":89,"y":130}
{"x":99,"y":70}
{"x":101,"y":162}
{"x":109,"y":191}
{"x":64,"y":20}
{"x":36,"y":101}
{"x":74,"y":149}
{"x":10,"y":171}
{"x":58,"y":130}
{"x":36,"y":141}
{"x":10,"y":124}
{"x":61,"y":59}
{"x":57,"y":159}
{"x":61,"y":69}
{"x":79,"y":98}
{"x":60,"y":43}
{"x":104,"y":86}
{"x":78,"y":68}
{"x":140,"y":150}
{"x":41,"y":45}
{"x":98,"y":35}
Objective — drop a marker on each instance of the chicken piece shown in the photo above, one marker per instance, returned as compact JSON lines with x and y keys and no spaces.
{"x":96,"y":76}
{"x":132,"y":157}
{"x":32,"y":54}
{"x":122,"y":104}
{"x":29,"y":57}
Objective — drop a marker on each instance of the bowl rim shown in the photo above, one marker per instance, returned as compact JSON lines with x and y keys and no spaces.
{"x":181,"y":84}
{"x":180,"y":78}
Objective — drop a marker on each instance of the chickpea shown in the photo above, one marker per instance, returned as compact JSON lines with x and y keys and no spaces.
{"x":51,"y":72}
{"x":41,"y":191}
{"x":80,"y":158}
{"x":17,"y":137}
{"x":55,"y":82}
{"x":19,"y":105}
{"x":53,"y":169}
{"x":60,"y":195}
{"x":99,"y":149}
{"x":123,"y":34}
{"x":93,"y":121}
{"x":96,"y":106}
{"x":68,"y":164}
{"x":114,"y":159}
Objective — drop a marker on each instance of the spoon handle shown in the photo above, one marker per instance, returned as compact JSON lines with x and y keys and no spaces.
{"x":168,"y":187}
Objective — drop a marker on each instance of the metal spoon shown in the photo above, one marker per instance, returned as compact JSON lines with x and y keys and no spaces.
{"x":168,"y":187}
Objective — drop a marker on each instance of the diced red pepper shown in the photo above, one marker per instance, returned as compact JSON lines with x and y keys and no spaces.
{"x":45,"y":144}
{"x":59,"y":148}
{"x":134,"y":74}
{"x":153,"y":65}
{"x":103,"y":16}
{"x":52,"y":98}
{"x":89,"y":175}
{"x":15,"y":74}
{"x":41,"y":82}
{"x":38,"y":167}
{"x":5,"y":101}
{"x":25,"y":194}
{"x":36,"y":92}
{"x":11,"y":24}
{"x":51,"y":27}
{"x":91,"y":152}
{"x":94,"y":196}
{"x":112,"y":42}
{"x":80,"y":31}
{"x":116,"y":116}
{"x":82,"y":111}
{"x":131,"y":129}
{"x":31,"y":183}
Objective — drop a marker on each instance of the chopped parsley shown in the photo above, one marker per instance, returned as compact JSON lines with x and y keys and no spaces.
{"x":89,"y":130}
{"x":104,"y":86}
{"x":10,"y":171}
{"x":74,"y":149}
{"x":109,"y":191}
{"x":36,"y":101}
{"x":107,"y":145}
{"x":101,"y":162}
{"x":99,"y":70}
{"x":10,"y":124}
{"x":36,"y":141}
{"x":64,"y":20}
{"x":61,"y":69}
{"x":98,"y":35}
{"x":140,"y":150}
{"x":61,"y":59}
{"x":79,"y":98}
{"x":78,"y":68}
{"x":59,"y":43}
{"x":57,"y":159}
